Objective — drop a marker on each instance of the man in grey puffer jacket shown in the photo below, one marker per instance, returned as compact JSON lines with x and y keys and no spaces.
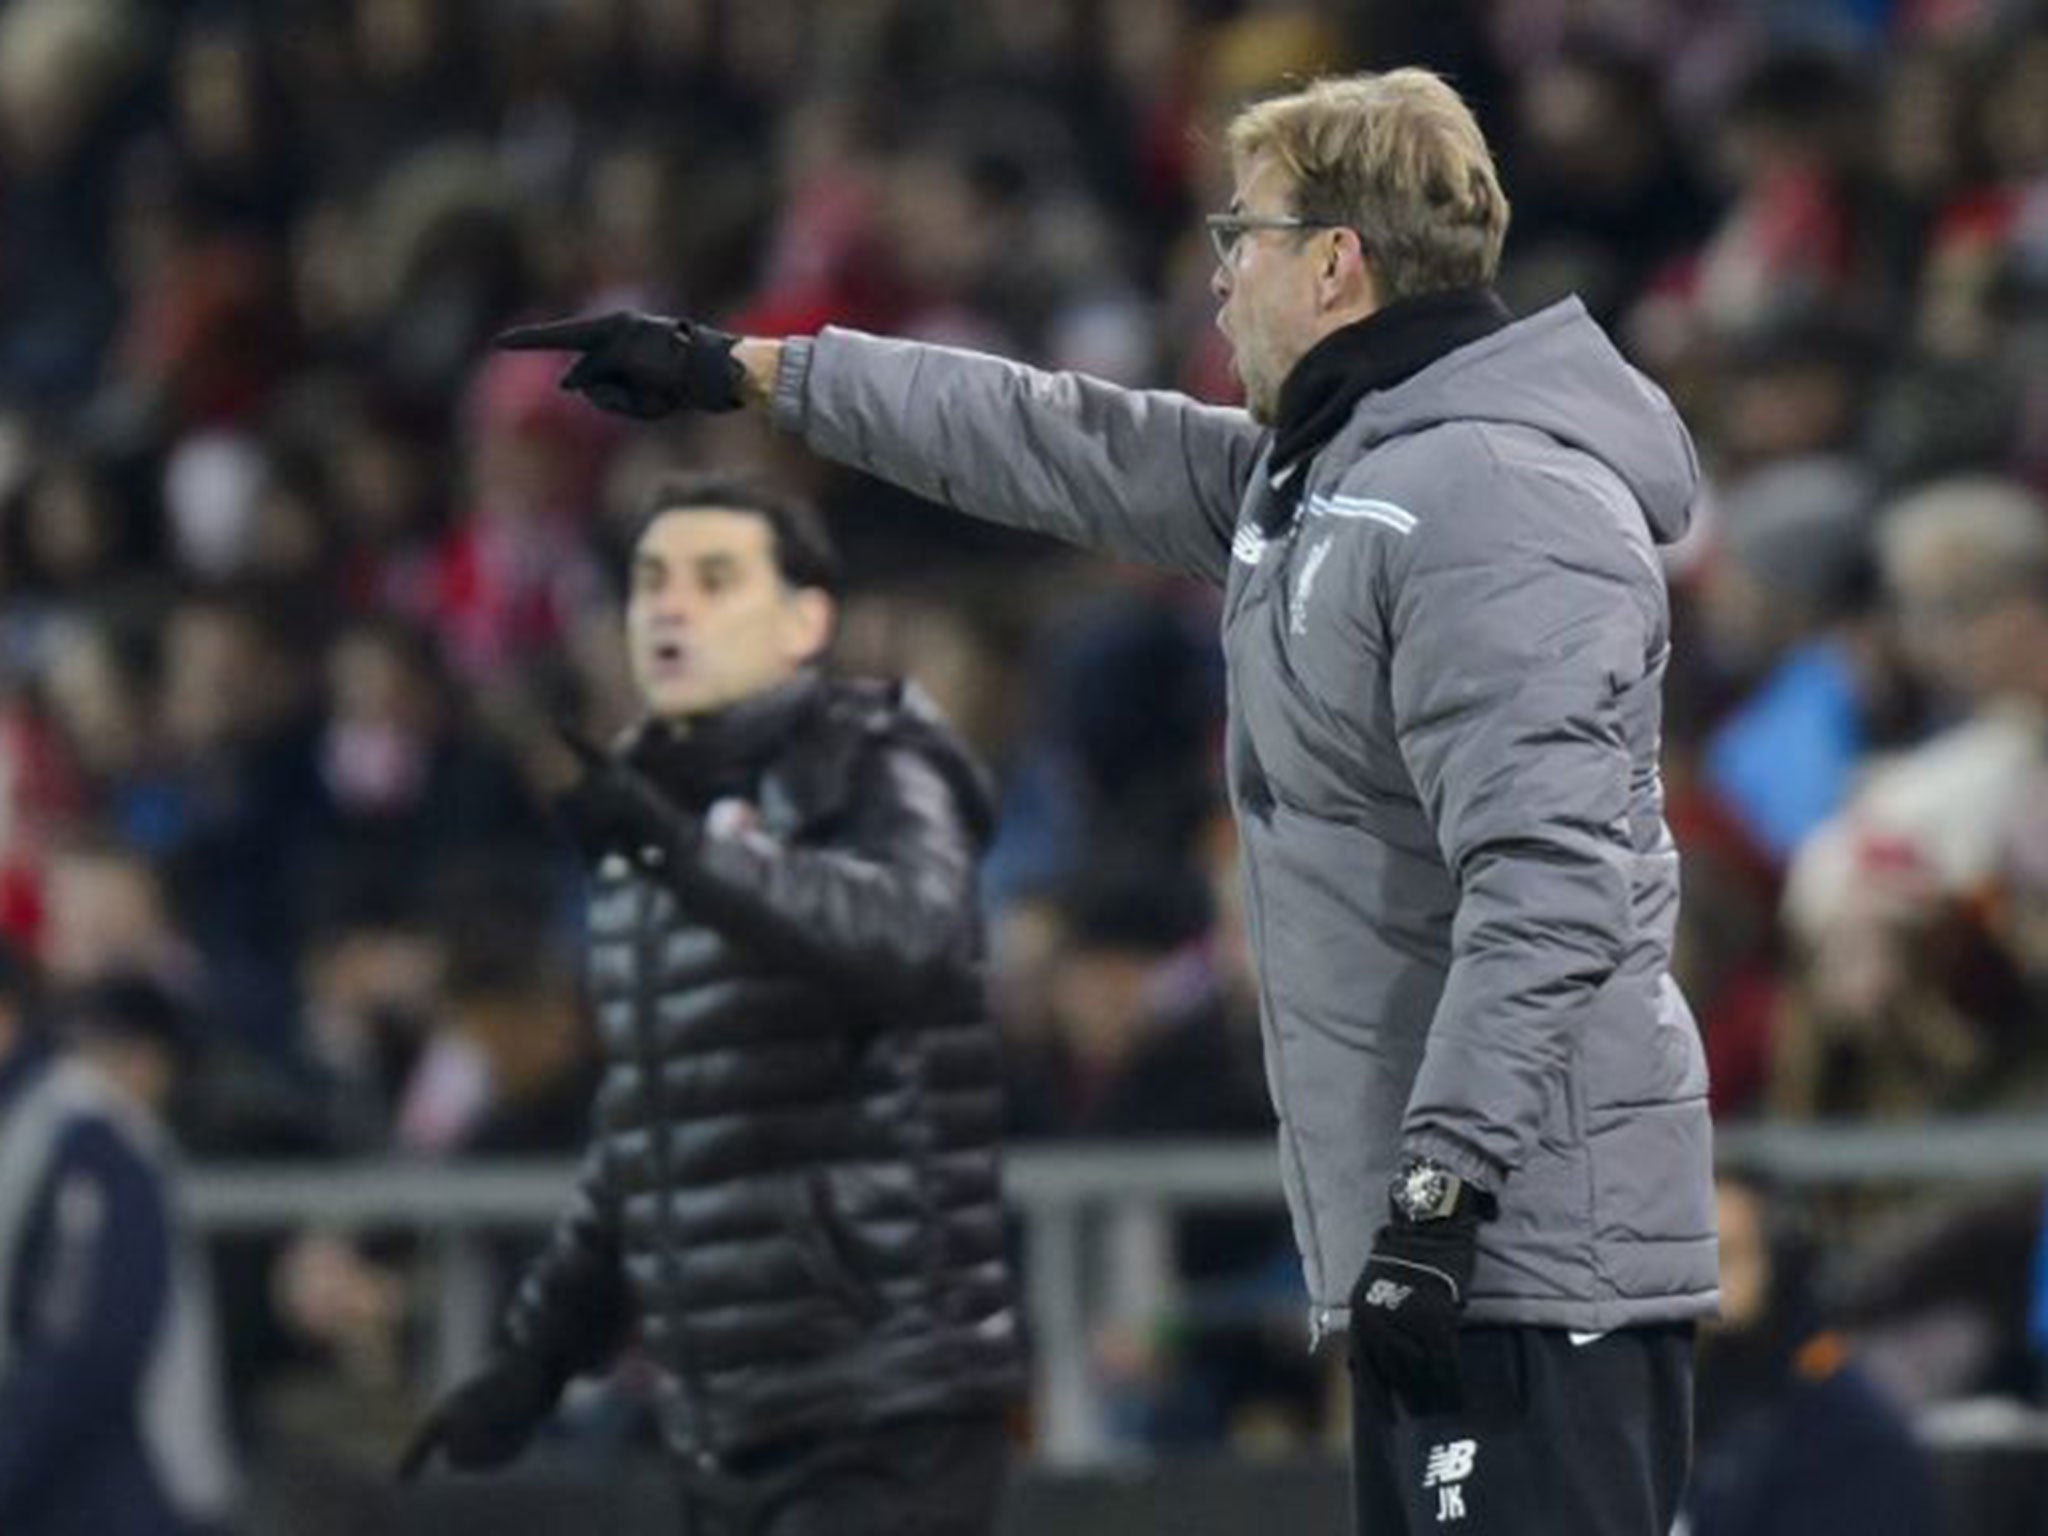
{"x":1446,"y":626}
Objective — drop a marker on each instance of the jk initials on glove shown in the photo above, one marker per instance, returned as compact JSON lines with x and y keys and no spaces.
{"x":643,"y":366}
{"x":1406,"y":1302}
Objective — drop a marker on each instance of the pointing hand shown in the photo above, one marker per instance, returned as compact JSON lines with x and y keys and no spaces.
{"x":642,"y":366}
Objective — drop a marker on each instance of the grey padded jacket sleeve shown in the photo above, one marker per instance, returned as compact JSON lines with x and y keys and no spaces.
{"x":1146,"y":475}
{"x":1517,"y":645}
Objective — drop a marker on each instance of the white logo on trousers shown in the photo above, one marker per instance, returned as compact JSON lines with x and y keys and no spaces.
{"x":1448,"y":1466}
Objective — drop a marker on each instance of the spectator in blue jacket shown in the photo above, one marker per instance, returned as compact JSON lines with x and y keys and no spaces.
{"x":110,"y":1413}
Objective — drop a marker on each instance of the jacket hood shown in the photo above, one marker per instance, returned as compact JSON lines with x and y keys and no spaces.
{"x":1557,"y":372}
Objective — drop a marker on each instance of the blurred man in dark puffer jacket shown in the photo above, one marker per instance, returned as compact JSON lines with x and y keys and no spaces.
{"x":792,"y":1191}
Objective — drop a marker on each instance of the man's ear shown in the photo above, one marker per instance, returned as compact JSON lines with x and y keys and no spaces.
{"x":1345,"y":276}
{"x":812,"y":614}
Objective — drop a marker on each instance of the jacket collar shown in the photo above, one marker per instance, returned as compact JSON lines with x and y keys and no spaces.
{"x":1384,"y":349}
{"x":723,"y":753}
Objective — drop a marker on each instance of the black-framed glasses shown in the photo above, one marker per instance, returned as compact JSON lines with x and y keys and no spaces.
{"x":1227,"y":229}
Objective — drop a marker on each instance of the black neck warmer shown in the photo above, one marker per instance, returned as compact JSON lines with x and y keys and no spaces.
{"x":1384,"y":349}
{"x":709,"y":756}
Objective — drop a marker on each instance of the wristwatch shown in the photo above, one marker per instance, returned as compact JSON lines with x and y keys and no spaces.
{"x":1425,"y":1190}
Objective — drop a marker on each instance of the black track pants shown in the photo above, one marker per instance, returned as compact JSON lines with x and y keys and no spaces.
{"x":1556,"y":1439}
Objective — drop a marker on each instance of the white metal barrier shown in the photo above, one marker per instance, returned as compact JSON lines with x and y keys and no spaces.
{"x":1075,"y":1200}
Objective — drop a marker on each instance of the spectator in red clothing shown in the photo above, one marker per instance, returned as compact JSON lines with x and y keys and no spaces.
{"x":1906,"y":1002}
{"x":1789,"y":244}
{"x":204,"y":340}
{"x":515,"y":570}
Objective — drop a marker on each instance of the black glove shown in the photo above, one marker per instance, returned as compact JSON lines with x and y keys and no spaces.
{"x":1405,"y":1304}
{"x":614,"y":809}
{"x":644,"y":366}
{"x":487,"y":1420}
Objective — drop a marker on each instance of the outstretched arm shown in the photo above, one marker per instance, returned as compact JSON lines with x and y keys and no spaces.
{"x":1147,"y":475}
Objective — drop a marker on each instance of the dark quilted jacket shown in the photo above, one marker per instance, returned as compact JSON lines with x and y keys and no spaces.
{"x":792,"y":1190}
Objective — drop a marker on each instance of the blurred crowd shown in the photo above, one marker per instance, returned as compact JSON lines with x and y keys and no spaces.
{"x":295,"y":575}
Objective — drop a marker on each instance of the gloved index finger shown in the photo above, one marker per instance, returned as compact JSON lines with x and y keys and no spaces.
{"x":556,"y":335}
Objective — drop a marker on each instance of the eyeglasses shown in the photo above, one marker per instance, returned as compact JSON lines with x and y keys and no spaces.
{"x":1227,"y":229}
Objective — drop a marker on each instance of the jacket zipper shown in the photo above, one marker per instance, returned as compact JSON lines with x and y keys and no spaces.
{"x":1322,"y":1319}
{"x":646,"y":957}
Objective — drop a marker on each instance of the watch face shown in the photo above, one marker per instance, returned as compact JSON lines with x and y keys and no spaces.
{"x":1422,"y":1191}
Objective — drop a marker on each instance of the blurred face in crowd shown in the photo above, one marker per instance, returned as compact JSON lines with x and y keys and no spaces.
{"x":946,"y":238}
{"x":144,"y":1071}
{"x":2015,"y":130}
{"x":1790,"y":406}
{"x":1921,"y":135}
{"x":212,"y":88}
{"x":105,"y":914}
{"x":1745,"y":1256}
{"x":1282,"y":290}
{"x":71,"y":520}
{"x":373,"y":683}
{"x":217,"y":682}
{"x":710,"y":619}
{"x":1100,"y":1001}
{"x":377,"y":749}
{"x":1747,"y":624}
{"x":397,"y":38}
{"x":1597,"y":143}
{"x":97,"y":702}
{"x":1973,"y":633}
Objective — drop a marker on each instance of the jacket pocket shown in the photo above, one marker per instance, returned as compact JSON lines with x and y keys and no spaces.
{"x":828,"y":1250}
{"x":1654,"y":1197}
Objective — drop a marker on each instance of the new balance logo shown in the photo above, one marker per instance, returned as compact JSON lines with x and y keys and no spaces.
{"x":1385,"y":1293}
{"x":1450,"y":1462}
{"x":1448,"y":1466}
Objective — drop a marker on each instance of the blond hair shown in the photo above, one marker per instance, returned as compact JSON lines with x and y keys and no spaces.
{"x":1396,"y":157}
{"x":1994,"y":529}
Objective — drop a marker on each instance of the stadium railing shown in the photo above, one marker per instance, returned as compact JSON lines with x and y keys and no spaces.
{"x":1086,"y":1209}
